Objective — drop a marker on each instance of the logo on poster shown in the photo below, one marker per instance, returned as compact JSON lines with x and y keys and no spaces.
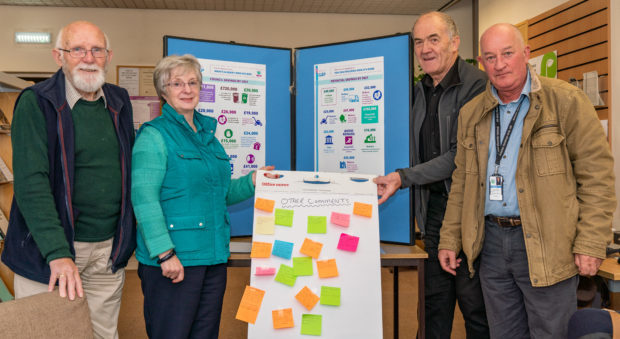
{"x":328,"y":140}
{"x":256,"y":146}
{"x":343,"y":164}
{"x":250,"y":159}
{"x":370,"y":139}
{"x":377,"y":95}
{"x":222,"y":119}
{"x":228,"y":133}
{"x":348,"y":140}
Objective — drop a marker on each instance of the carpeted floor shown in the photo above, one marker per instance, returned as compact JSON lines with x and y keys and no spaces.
{"x":131,"y":322}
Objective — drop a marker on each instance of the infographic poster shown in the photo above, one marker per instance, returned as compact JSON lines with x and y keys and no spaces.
{"x":349,"y":116}
{"x":234,"y":94}
{"x":315,"y":258}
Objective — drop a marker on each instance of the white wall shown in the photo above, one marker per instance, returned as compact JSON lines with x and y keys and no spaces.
{"x":136,"y":35}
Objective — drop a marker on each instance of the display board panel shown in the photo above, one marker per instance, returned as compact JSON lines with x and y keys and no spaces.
{"x":377,"y":112}
{"x":247,"y":88}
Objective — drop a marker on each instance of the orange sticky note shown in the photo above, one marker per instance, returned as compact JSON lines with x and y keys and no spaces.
{"x":327,"y":268}
{"x":250,"y":304}
{"x":307,"y":298}
{"x":260,"y":250}
{"x":264,"y":204}
{"x":359,"y":208}
{"x":282,"y":318}
{"x":311,"y":248}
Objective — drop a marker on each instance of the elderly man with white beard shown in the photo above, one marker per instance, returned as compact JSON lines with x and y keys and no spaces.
{"x":71,"y":225}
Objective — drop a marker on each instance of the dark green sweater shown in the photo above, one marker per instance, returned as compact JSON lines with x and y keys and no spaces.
{"x":97,"y":183}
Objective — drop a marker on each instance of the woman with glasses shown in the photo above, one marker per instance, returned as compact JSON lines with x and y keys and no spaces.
{"x":181,"y":186}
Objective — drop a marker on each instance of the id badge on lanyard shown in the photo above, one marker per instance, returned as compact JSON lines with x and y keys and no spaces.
{"x":496,"y":181}
{"x":496,"y":187}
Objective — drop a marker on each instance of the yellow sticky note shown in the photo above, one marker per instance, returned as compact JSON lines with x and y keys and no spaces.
{"x":307,"y":298}
{"x":250,"y":304}
{"x":364,"y":210}
{"x":311,"y":248}
{"x":327,"y":268}
{"x":265,"y":224}
{"x":260,"y":250}
{"x":283,"y":318}
{"x":264,"y":204}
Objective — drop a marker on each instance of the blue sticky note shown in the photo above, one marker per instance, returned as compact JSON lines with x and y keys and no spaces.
{"x":282,"y":249}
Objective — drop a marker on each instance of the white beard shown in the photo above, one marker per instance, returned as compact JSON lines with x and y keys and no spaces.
{"x":88,"y":82}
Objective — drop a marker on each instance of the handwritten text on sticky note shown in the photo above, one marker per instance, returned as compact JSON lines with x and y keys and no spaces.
{"x":284,"y":217}
{"x":348,"y":242}
{"x":330,"y":296}
{"x":327,"y":268}
{"x":340,"y":219}
{"x":282,"y":249}
{"x":264,"y":224}
{"x":311,"y":324}
{"x":264,"y":204}
{"x":285,"y":275}
{"x":307,"y":298}
{"x":311,"y":248}
{"x":250,"y":304}
{"x":260,"y":250}
{"x":361,"y":209}
{"x":317,"y":224}
{"x":282,"y":318}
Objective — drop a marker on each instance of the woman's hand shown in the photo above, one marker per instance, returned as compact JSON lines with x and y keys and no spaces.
{"x":172,"y":268}
{"x":269,"y":175}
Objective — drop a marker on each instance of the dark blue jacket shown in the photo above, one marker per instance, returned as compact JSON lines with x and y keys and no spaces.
{"x":21,"y":253}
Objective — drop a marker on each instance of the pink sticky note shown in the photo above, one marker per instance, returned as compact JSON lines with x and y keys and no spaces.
{"x":340,"y":219}
{"x":265,"y":271}
{"x":348,"y":242}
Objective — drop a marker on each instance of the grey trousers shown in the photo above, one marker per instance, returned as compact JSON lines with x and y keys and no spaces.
{"x":516,"y":309}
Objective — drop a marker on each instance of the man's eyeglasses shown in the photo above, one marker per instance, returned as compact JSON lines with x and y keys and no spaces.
{"x":79,"y":52}
{"x":179,"y":85}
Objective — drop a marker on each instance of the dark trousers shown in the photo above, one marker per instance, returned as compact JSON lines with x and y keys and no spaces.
{"x":443,"y":290}
{"x":189,"y":309}
{"x":516,"y":309}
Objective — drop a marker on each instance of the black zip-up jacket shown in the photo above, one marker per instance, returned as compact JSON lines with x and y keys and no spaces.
{"x":21,"y":253}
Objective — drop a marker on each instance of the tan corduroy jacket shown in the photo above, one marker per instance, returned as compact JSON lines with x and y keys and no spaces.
{"x":564,"y":181}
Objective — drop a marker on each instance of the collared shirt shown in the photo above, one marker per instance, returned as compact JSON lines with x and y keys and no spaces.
{"x":429,"y":143}
{"x":73,"y":95}
{"x":509,"y":206}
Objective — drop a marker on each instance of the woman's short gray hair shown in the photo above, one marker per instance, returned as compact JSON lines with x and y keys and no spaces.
{"x":165,"y":66}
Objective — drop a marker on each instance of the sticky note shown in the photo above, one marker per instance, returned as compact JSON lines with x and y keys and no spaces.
{"x":302,"y":266}
{"x":265,"y":225}
{"x":340,"y":219}
{"x":364,"y":210}
{"x":265,"y":271}
{"x":250,"y":304}
{"x":327,"y":268}
{"x":282,"y":318}
{"x":307,"y":298}
{"x":311,"y":248}
{"x":311,"y":324}
{"x":348,"y":242}
{"x":260,"y":250}
{"x":282,"y":249}
{"x":285,"y":275}
{"x":317,"y":224}
{"x":330,"y":296}
{"x":284,"y":217}
{"x":264,"y":204}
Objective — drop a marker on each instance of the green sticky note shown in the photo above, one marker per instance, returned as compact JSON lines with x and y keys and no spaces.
{"x":284,"y":217}
{"x":285,"y":275}
{"x":330,"y":296}
{"x":302,"y":266}
{"x":317,"y":224}
{"x":311,"y":324}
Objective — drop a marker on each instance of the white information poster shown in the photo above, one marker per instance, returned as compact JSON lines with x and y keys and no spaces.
{"x":234,"y":94}
{"x":349,"y":110}
{"x":315,"y":258}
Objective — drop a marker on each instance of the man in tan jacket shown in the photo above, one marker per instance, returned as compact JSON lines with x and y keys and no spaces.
{"x":532,"y":193}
